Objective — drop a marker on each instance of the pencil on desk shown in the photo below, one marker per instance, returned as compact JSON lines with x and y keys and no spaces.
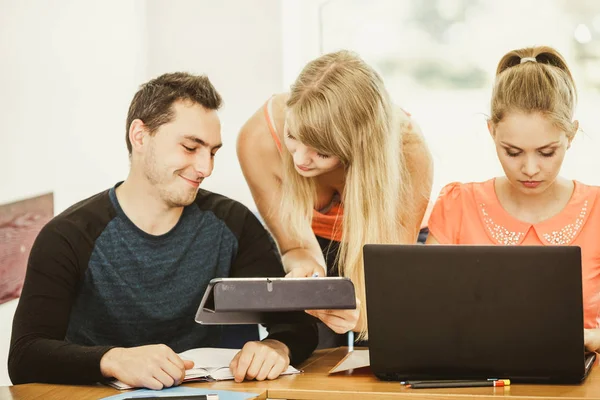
{"x":444,"y":380}
{"x":459,"y":383}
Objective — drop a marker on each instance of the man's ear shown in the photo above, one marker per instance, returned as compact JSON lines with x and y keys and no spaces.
{"x":137,"y":135}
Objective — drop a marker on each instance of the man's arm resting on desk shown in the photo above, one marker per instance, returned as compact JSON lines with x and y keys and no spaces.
{"x":38,"y":350}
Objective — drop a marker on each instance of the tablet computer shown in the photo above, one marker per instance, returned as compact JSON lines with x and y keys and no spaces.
{"x":266,"y":300}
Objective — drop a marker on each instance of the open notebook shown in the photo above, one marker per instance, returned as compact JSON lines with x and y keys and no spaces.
{"x":210,"y":364}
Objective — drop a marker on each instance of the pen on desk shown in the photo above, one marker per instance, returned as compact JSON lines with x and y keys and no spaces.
{"x":475,"y":383}
{"x":350,"y":341}
{"x":444,"y":380}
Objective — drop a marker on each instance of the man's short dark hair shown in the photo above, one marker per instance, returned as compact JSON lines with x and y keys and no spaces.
{"x":152,"y":103}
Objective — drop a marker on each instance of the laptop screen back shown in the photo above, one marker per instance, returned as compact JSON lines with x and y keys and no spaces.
{"x":475,"y":312}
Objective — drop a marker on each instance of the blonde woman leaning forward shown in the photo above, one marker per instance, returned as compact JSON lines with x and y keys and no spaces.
{"x":532,"y":126}
{"x":333,"y":165}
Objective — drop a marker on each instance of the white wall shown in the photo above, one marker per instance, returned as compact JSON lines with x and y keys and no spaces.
{"x":25,"y":102}
{"x":67,"y":74}
{"x":300,"y":33}
{"x":99,"y":51}
{"x":237,"y":44}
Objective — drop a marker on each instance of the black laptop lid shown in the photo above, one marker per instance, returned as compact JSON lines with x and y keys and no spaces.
{"x":475,"y":312}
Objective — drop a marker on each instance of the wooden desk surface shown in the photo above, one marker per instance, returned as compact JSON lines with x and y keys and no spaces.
{"x":314,"y":383}
{"x":362,"y":384}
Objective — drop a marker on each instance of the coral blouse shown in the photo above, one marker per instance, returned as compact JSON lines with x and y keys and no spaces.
{"x":471,"y":213}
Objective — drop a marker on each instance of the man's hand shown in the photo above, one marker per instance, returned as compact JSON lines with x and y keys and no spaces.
{"x":339,"y":321}
{"x":154,"y":367}
{"x":591,"y":339}
{"x":307,"y":269}
{"x":260,"y":360}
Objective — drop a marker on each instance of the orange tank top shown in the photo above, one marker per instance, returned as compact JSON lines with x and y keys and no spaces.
{"x":327,"y":224}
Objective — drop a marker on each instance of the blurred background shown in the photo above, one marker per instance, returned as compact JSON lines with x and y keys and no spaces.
{"x":438,"y":58}
{"x":69,"y":68}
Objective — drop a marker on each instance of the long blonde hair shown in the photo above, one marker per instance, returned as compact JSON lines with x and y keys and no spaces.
{"x":339,"y":106}
{"x":535,"y":79}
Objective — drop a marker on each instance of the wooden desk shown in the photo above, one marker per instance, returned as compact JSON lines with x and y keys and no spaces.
{"x":314,"y":383}
{"x":362,"y":384}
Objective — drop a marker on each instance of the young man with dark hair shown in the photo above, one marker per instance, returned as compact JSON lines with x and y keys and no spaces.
{"x":113,"y":283}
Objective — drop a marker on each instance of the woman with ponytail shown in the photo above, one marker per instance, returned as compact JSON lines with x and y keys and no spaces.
{"x":333,"y":165}
{"x":532,"y":126}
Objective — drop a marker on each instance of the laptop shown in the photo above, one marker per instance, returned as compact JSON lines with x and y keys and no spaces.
{"x":476,"y":312}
